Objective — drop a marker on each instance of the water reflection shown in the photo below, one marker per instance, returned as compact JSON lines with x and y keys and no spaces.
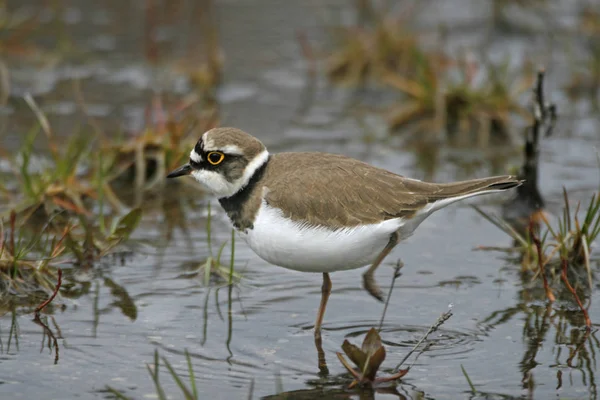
{"x":333,"y":388}
{"x":557,"y":330}
{"x":13,"y":333}
{"x":49,"y":339}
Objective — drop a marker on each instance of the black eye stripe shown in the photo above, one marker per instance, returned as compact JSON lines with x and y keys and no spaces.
{"x":199,"y":148}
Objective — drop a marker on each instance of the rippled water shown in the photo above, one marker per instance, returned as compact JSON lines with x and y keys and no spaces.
{"x":151,"y":296}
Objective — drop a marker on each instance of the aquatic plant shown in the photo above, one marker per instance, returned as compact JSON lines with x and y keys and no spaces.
{"x":459,"y":95}
{"x":145,"y":158}
{"x":367,"y":358}
{"x":187,"y":392}
{"x":364,"y":53}
{"x":190,"y":393}
{"x":433,"y":91}
{"x":28,"y":264}
{"x":371,"y":355}
{"x":213,"y":265}
{"x":49,"y":184}
{"x":89,"y":242}
{"x":548,"y":251}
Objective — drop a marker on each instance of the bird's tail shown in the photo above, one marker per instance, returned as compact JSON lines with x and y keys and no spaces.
{"x":475,"y":187}
{"x":455,"y":191}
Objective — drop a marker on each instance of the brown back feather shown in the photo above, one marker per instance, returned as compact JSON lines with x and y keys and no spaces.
{"x":338,"y":191}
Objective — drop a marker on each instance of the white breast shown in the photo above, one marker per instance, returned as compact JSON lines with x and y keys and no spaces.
{"x":301,"y":247}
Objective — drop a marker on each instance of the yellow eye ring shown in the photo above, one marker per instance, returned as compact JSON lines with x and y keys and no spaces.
{"x":215,"y":157}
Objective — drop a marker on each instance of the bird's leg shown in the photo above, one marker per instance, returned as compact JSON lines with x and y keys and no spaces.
{"x":321,"y":361}
{"x":369,"y":277}
{"x":325,"y":291}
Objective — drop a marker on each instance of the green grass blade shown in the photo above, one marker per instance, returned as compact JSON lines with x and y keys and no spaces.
{"x":207,"y":270}
{"x":188,"y":395}
{"x":567,"y":209}
{"x":26,"y":151}
{"x":464,"y":371}
{"x":191,"y":372}
{"x":220,"y":253}
{"x":154,"y":374}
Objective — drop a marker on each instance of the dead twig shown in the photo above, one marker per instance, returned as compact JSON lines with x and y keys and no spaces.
{"x":52,"y":341}
{"x":440,"y":321}
{"x":49,"y":300}
{"x":397,"y":274}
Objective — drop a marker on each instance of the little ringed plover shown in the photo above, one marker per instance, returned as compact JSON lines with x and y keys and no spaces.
{"x":319,"y":212}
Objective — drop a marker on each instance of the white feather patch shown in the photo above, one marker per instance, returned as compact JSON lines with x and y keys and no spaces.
{"x":301,"y":247}
{"x":195,"y":157}
{"x":229,"y":149}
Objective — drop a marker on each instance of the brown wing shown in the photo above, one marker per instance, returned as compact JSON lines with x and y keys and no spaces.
{"x":339,"y":191}
{"x":334,"y":190}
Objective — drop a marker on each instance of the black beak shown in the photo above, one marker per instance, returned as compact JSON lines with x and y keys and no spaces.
{"x":183,"y":170}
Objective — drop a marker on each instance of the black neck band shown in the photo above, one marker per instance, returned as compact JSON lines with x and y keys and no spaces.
{"x":233,"y":204}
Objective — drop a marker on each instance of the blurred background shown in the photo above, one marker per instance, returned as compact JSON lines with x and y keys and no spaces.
{"x":100,"y":99}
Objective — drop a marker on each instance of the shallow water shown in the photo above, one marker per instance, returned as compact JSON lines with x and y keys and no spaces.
{"x":261,"y":329}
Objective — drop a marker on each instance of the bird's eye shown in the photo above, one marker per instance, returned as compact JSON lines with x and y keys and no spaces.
{"x":215,"y":157}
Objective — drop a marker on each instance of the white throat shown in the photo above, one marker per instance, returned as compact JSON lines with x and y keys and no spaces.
{"x":221,"y":187}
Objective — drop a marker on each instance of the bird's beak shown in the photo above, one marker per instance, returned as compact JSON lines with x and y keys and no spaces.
{"x":183,"y":170}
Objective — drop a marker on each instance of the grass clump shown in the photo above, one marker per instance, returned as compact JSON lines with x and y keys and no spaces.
{"x":367,"y":53}
{"x":72,"y":201}
{"x":30,"y":264}
{"x":162,"y":145}
{"x":45,"y":185}
{"x":459,"y":96}
{"x":553,"y":252}
{"x":433,"y":92}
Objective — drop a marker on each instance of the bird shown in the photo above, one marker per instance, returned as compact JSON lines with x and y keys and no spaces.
{"x":319,"y":212}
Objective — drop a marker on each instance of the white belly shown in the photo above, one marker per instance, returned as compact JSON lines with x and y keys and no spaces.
{"x":292,"y":245}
